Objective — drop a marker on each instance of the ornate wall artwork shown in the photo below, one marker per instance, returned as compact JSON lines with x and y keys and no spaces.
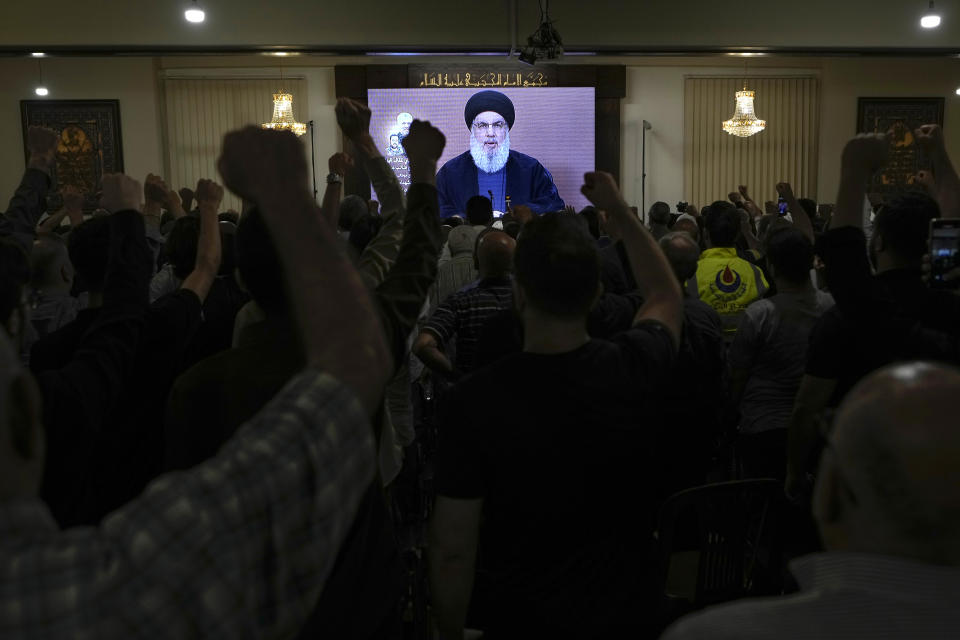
{"x":90,"y":144}
{"x":899,"y":117}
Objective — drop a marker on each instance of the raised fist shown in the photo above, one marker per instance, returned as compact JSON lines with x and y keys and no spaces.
{"x":930,"y":138}
{"x":785,"y":190}
{"x":155,"y":189}
{"x":42,"y":142}
{"x":865,"y":153}
{"x":120,"y":193}
{"x":743,"y":191}
{"x":256,"y":162}
{"x":424,"y":142}
{"x":353,"y":117}
{"x":209,"y":194}
{"x":340,"y":163}
{"x":601,"y":189}
{"x":72,"y":198}
{"x":186,"y":197}
{"x":925,"y":179}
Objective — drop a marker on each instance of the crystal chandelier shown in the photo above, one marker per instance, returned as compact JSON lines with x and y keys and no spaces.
{"x":744,"y":122}
{"x":283,"y":115}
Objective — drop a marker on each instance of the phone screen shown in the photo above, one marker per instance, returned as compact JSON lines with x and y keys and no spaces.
{"x":781,"y":205}
{"x":944,"y":251}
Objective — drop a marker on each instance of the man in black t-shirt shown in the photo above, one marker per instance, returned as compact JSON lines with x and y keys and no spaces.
{"x":876,"y":317}
{"x":557,"y":469}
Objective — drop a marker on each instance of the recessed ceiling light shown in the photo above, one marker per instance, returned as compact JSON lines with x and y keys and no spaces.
{"x":41,"y":91}
{"x":931,"y":19}
{"x":38,"y":54}
{"x":194,"y":14}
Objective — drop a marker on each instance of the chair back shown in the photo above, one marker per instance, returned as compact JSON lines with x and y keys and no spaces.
{"x":733,"y":527}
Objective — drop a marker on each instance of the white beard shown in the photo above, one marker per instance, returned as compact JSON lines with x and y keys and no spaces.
{"x":490,"y":162}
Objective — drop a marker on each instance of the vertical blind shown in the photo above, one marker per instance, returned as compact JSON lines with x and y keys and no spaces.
{"x":715,"y":162}
{"x":200,"y":110}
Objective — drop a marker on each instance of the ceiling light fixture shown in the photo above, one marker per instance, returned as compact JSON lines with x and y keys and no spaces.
{"x":41,"y":89}
{"x":283,"y":119}
{"x":744,"y":122}
{"x":545,"y":43}
{"x":931,"y":19}
{"x":283,"y":115}
{"x":38,"y":54}
{"x":195,"y":14}
{"x":958,"y":92}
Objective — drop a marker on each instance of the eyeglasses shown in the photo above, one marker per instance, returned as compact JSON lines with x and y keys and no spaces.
{"x":826,"y":424}
{"x":483,"y":127}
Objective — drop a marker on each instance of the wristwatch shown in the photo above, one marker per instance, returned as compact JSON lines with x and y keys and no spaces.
{"x":334,"y":178}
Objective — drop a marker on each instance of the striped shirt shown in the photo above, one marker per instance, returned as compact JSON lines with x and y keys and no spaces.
{"x":238,"y":547}
{"x":463,"y":315}
{"x":851,"y":596}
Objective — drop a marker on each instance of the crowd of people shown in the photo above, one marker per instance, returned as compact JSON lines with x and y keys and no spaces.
{"x":226,"y":425}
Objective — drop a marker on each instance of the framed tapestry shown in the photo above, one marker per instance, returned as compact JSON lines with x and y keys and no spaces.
{"x":89,"y":145}
{"x":899,"y":116}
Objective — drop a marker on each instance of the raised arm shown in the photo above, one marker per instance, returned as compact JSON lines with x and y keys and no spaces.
{"x":655,"y":279}
{"x":376,"y":260}
{"x":402,"y":293}
{"x":862,"y":157}
{"x":339,"y":327}
{"x":94,"y":377}
{"x":339,"y":164}
{"x":800,"y":218}
{"x":946,"y":182}
{"x":209,"y":195}
{"x":28,"y":201}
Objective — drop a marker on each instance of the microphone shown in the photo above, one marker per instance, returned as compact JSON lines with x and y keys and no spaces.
{"x":647,"y":125}
{"x":491,"y":195}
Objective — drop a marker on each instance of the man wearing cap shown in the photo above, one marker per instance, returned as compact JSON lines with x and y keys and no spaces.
{"x":490,"y":168}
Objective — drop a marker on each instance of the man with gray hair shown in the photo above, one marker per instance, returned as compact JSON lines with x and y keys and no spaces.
{"x":887,"y":504}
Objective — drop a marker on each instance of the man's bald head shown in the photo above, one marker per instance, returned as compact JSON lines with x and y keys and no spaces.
{"x":495,"y":254}
{"x":682,"y":254}
{"x":897,"y":447}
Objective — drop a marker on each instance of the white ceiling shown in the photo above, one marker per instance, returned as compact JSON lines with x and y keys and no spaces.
{"x":455,"y":25}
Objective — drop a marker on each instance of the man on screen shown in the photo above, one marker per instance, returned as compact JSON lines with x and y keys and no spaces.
{"x":490,"y":168}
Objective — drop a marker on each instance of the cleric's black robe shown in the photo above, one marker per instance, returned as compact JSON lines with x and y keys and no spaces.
{"x":528,"y":183}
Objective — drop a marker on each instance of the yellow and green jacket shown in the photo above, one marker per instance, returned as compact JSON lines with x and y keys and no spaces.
{"x":728,"y":283}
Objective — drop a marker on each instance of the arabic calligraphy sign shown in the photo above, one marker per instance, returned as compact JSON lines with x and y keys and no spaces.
{"x":480,"y":77}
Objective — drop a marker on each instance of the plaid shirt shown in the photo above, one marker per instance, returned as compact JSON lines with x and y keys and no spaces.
{"x":238,"y":547}
{"x":464,"y":313}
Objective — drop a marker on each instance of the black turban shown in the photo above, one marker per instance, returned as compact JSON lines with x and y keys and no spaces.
{"x":489,"y":101}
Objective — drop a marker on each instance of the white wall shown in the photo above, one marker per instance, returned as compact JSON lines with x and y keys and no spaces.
{"x":130,"y":80}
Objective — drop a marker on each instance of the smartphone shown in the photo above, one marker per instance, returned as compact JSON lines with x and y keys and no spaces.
{"x":782,"y":206}
{"x":944,"y":252}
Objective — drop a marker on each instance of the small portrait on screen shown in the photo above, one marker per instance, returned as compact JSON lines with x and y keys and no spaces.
{"x":404,"y":120}
{"x":490,"y":166}
{"x":395,"y":148}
